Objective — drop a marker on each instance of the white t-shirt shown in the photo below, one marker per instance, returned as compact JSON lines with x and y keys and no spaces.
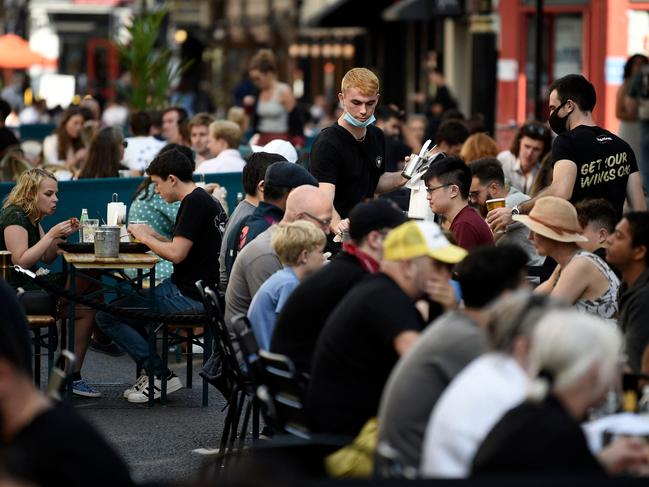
{"x":468,"y":409}
{"x":228,"y":160}
{"x":141,"y":150}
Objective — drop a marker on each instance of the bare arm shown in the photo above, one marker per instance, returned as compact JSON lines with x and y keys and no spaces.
{"x":634,"y":192}
{"x":546,"y":286}
{"x":404,"y":341}
{"x":16,"y":240}
{"x":175,"y":250}
{"x":337,"y":224}
{"x":288,"y":100}
{"x":390,"y":181}
{"x":564,"y":176}
{"x":574,"y":281}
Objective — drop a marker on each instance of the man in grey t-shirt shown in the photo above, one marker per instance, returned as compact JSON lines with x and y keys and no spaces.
{"x":258,"y":261}
{"x":443,"y":350}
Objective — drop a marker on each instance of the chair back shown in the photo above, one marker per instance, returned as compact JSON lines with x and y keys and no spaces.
{"x":283,"y":392}
{"x":222,"y":340}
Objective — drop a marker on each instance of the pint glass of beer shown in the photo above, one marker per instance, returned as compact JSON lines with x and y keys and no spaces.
{"x":495,"y":203}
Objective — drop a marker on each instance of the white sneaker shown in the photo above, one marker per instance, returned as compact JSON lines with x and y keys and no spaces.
{"x":140,"y":383}
{"x":142,"y":395}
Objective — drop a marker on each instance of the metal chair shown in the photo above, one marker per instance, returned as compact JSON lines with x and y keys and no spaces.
{"x":48,"y":340}
{"x":235,"y":383}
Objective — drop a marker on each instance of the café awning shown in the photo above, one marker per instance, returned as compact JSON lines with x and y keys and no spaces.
{"x":15,"y":53}
{"x":422,"y":10}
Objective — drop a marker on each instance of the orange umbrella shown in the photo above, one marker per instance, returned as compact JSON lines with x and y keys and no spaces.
{"x":16,"y":54}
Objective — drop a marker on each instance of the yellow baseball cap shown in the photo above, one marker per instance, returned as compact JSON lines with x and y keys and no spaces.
{"x":415,"y":239}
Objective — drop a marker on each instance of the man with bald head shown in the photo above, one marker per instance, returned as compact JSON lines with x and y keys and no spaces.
{"x":258,"y":261}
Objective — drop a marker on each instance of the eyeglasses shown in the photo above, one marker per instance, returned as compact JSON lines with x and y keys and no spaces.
{"x":534,"y":130}
{"x":323,"y":223}
{"x":430,"y":190}
{"x":474,"y":194}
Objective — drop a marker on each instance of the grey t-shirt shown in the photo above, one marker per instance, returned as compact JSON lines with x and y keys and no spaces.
{"x":517,"y":233}
{"x":243,"y":210}
{"x":420,"y":377}
{"x":255,"y":263}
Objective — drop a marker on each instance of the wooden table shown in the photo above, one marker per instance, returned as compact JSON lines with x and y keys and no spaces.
{"x":139,"y":262}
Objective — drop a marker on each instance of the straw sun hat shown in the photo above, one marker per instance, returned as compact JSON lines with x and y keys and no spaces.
{"x":554,"y":218}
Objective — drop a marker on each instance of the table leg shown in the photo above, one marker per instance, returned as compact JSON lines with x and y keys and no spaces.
{"x":152,"y":340}
{"x":71,"y":319}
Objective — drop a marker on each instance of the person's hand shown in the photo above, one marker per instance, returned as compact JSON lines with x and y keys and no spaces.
{"x":499,"y":218}
{"x":80,"y":155}
{"x":140,"y":230}
{"x":441,"y":291}
{"x":63,"y":229}
{"x":341,"y":227}
{"x":210,"y":187}
{"x":626,"y":454}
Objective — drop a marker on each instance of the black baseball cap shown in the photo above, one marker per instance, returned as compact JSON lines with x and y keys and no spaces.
{"x":286,"y":174}
{"x":374,"y":215}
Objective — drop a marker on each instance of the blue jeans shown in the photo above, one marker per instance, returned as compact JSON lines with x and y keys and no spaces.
{"x":131,"y":335}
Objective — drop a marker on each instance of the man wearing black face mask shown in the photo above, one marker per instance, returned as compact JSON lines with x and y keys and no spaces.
{"x":589,"y":161}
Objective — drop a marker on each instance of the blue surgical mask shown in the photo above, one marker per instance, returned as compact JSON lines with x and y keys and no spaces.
{"x":357,"y":123}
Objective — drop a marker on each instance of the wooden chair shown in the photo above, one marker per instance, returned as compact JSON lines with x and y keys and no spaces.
{"x":48,"y":340}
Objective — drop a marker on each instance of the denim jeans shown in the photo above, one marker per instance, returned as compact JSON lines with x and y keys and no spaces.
{"x":131,"y":335}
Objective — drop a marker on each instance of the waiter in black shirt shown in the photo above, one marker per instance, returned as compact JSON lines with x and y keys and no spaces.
{"x":348,"y":158}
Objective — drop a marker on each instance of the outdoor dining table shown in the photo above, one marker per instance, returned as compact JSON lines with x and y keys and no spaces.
{"x":112,"y":268}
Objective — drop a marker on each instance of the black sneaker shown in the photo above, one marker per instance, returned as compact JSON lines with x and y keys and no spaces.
{"x":111,"y":348}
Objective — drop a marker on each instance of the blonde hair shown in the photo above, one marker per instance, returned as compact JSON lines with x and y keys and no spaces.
{"x":24,"y":193}
{"x":200,"y":119}
{"x":362,"y":79}
{"x":237,"y":115}
{"x":263,"y":61}
{"x":290,"y":239}
{"x":226,"y":130}
{"x":478,"y":146}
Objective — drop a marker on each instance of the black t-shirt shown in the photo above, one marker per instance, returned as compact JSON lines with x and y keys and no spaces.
{"x":7,"y":139}
{"x":355,"y":355}
{"x":305,"y":312}
{"x":604,"y":162}
{"x":200,"y":219}
{"x":536,"y":438}
{"x":61,"y":448}
{"x":354,"y":167}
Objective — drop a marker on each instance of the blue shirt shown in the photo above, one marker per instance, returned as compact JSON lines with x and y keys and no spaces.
{"x":268,"y":302}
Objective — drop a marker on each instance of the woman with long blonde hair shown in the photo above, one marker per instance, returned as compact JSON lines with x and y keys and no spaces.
{"x":34,"y":197}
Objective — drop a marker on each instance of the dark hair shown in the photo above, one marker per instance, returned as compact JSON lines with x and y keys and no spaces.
{"x":140,"y":123}
{"x":171,"y":162}
{"x":15,"y":345}
{"x":274,"y":193}
{"x":639,"y":226}
{"x":63,"y":139}
{"x":488,"y":271}
{"x":534,"y":130}
{"x":576,"y":88}
{"x":596,"y":210}
{"x":451,"y":170}
{"x":453,"y":132}
{"x":103,"y":155}
{"x":183,"y":120}
{"x":487,"y":170}
{"x":5,"y":109}
{"x":386,"y":112}
{"x":255,"y":170}
{"x":628,"y":66}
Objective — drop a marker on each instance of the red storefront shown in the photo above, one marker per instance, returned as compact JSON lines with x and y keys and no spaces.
{"x":592,"y":37}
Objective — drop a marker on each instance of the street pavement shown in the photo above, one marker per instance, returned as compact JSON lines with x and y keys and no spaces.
{"x":156,"y":443}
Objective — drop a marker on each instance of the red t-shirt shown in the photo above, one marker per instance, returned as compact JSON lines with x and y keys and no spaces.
{"x":470,"y":230}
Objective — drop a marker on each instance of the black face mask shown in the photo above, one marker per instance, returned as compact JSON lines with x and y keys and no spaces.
{"x":559,"y":125}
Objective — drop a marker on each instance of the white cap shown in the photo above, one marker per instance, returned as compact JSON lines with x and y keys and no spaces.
{"x":278,"y":146}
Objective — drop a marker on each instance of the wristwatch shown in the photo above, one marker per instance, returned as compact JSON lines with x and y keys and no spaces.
{"x":515,"y":211}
